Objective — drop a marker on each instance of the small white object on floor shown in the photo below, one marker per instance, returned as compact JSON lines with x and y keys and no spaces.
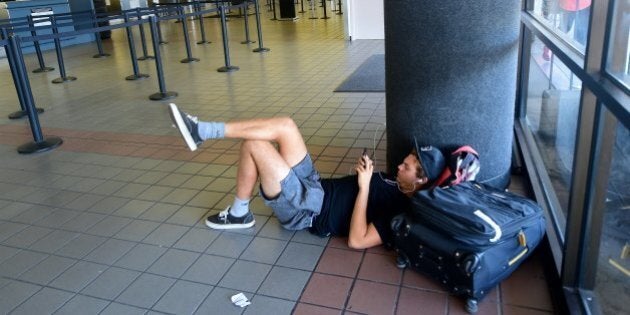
{"x":240,"y":300}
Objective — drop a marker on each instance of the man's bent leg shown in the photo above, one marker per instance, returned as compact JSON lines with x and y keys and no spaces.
{"x":258,"y":160}
{"x":272,"y":165}
{"x":281,"y":130}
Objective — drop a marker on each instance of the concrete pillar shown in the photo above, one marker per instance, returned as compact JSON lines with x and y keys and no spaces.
{"x":451,"y":70}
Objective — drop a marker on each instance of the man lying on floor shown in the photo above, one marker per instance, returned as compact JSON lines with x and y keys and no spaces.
{"x":359,"y":206}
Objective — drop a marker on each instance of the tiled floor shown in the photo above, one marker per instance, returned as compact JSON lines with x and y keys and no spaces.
{"x":111,"y":222}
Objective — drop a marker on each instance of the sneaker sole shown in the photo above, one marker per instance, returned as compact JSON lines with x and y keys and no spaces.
{"x":176,"y":117}
{"x":229,"y":226}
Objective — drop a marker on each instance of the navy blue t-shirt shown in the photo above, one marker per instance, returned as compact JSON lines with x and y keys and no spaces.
{"x":384,"y":202}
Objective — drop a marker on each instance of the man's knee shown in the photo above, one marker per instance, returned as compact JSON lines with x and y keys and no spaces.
{"x":253,"y":145}
{"x":288,"y":124}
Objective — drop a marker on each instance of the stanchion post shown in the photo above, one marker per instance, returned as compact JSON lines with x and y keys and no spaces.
{"x":246,"y":10}
{"x":203,"y":40}
{"x":313,"y":9}
{"x":143,"y":40}
{"x":302,"y":6}
{"x":273,"y":5}
{"x":16,"y":81}
{"x":62,"y":68}
{"x":260,"y":48}
{"x":132,"y":52}
{"x":226,"y":48}
{"x":40,"y":144}
{"x":38,"y":49}
{"x":339,"y":12}
{"x":159,"y":32}
{"x":189,"y":58}
{"x":97,"y":38}
{"x":325,"y":15}
{"x":162,"y":94}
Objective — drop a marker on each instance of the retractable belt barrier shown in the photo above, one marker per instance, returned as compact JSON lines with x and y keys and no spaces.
{"x":25,"y":96}
{"x":197,"y":7}
{"x":189,"y":58}
{"x":301,"y":7}
{"x":325,"y":15}
{"x":16,"y":82}
{"x":145,"y":55}
{"x":132,"y":51}
{"x":246,"y":20}
{"x":273,"y":7}
{"x":10,"y":39}
{"x":56,"y":36}
{"x":38,"y":51}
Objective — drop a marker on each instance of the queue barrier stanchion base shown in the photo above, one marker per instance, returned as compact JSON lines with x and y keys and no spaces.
{"x":21,"y":113}
{"x":48,"y":143}
{"x":145,"y":58}
{"x":163,"y":42}
{"x":248,"y":42}
{"x":103,"y":55}
{"x":204,"y":42}
{"x":44,"y":69}
{"x":138,"y":76}
{"x":261,"y":49}
{"x":64,"y":79}
{"x":189,"y":60}
{"x":159,"y":96}
{"x":228,"y":69}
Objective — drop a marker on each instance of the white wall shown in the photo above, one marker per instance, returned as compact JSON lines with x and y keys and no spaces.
{"x":364,"y":19}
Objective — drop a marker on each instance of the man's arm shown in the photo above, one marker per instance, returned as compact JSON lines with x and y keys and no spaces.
{"x":363,"y":235}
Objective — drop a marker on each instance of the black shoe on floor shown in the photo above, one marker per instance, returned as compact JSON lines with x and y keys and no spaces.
{"x":225,"y":221}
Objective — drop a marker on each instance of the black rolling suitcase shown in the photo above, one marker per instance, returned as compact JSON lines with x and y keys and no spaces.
{"x":469,"y":237}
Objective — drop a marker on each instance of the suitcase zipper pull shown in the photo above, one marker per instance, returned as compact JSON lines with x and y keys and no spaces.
{"x":522,"y":240}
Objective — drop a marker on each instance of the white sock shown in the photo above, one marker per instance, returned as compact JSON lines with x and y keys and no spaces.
{"x":239,"y":207}
{"x":211,"y":130}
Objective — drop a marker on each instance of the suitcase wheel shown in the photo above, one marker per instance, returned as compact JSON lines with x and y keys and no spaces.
{"x":471,"y":306}
{"x":402,"y":261}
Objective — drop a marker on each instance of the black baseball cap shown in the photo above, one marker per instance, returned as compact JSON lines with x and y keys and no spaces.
{"x":431,"y":159}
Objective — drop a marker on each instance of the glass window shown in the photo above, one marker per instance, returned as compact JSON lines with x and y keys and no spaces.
{"x":613,"y":266}
{"x":619,"y":49}
{"x":552,"y":114}
{"x":568,"y":18}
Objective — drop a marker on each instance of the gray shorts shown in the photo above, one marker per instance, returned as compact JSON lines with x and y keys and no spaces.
{"x":300,"y":198}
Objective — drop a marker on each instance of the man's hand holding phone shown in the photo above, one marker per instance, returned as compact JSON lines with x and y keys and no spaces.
{"x":364,"y":169}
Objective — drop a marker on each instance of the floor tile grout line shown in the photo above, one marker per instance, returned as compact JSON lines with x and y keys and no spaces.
{"x":127,"y":240}
{"x":113,"y":264}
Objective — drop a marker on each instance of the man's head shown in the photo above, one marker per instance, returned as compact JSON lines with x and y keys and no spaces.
{"x":423,"y":165}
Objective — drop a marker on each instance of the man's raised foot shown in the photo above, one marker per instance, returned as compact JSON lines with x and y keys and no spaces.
{"x":187,"y":126}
